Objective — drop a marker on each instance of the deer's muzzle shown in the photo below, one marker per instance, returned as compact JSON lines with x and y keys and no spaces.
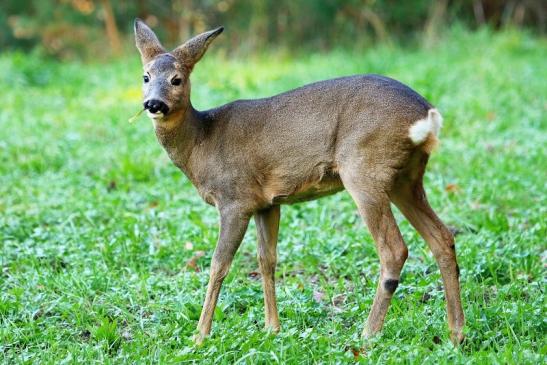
{"x":155,"y":105}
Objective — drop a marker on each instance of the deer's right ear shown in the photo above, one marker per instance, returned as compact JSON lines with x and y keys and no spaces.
{"x":148,"y":44}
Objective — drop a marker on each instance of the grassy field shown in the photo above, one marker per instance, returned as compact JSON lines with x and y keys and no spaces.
{"x":105,"y":246}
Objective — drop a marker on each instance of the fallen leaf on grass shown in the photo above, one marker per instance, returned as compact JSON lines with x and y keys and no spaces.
{"x":356,"y":353}
{"x":254,"y":275}
{"x":192,"y":263}
{"x":452,"y":188}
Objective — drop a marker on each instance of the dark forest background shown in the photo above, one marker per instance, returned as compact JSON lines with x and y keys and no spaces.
{"x":102,"y":28}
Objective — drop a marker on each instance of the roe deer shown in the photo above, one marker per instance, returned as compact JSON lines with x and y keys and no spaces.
{"x":368,"y":134}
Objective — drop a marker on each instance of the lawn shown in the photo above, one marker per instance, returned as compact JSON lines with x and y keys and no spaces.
{"x":105,"y":245}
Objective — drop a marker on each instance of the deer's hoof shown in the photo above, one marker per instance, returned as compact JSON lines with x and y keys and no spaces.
{"x":198,"y":338}
{"x":457,"y":337}
{"x":369,"y":334}
{"x":272,"y":328}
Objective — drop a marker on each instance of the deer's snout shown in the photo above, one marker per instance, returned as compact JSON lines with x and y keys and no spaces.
{"x":155,"y":105}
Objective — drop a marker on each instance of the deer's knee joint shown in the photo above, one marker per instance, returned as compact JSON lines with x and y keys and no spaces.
{"x":444,"y":254}
{"x":390,"y":285}
{"x":267,"y":267}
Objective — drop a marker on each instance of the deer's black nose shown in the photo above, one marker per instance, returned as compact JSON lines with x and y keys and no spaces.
{"x":155,"y":106}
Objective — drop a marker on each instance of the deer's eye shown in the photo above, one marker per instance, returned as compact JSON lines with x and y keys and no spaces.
{"x":146,"y":78}
{"x":176,"y":81}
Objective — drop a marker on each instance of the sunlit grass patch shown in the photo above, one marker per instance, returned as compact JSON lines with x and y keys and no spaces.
{"x":97,"y":228}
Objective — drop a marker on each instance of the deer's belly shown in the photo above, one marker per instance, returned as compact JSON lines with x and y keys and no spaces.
{"x":328,"y":185}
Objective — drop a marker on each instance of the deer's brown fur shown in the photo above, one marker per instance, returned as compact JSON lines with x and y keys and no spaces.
{"x":249,"y":156}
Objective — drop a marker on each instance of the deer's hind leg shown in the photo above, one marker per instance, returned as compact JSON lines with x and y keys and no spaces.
{"x":412,"y":202}
{"x":409,"y":196}
{"x":371,"y":197}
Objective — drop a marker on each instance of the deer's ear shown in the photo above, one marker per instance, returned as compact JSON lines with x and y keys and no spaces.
{"x":191,"y":51}
{"x":148,"y":44}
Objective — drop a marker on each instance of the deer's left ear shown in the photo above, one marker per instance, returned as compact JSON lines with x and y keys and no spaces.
{"x":148,"y":44}
{"x":191,"y":51}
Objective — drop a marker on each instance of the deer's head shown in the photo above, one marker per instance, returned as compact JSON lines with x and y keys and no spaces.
{"x":166,"y":77}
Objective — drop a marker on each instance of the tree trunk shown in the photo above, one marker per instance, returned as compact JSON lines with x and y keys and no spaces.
{"x":478,"y":10}
{"x":437,"y":13}
{"x":111,"y":29}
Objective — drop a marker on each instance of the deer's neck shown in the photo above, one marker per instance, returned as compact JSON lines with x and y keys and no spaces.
{"x":179,"y":135}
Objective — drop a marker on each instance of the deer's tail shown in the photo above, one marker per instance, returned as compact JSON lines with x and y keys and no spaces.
{"x":425,"y":131}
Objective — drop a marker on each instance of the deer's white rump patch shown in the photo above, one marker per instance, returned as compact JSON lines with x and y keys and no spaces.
{"x":428,"y":127}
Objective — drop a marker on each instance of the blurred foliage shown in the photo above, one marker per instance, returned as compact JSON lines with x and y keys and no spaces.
{"x":75,"y":28}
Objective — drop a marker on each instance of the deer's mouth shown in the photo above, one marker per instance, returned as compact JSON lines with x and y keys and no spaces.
{"x":157,"y":115}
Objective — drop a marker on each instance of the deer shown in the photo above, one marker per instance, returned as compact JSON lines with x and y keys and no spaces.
{"x":367,"y":134}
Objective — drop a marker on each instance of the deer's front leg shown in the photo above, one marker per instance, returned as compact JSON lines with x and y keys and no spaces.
{"x":233,"y":224}
{"x":267,"y":227}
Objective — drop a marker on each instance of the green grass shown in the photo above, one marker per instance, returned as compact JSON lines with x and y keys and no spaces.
{"x":96,"y":225}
